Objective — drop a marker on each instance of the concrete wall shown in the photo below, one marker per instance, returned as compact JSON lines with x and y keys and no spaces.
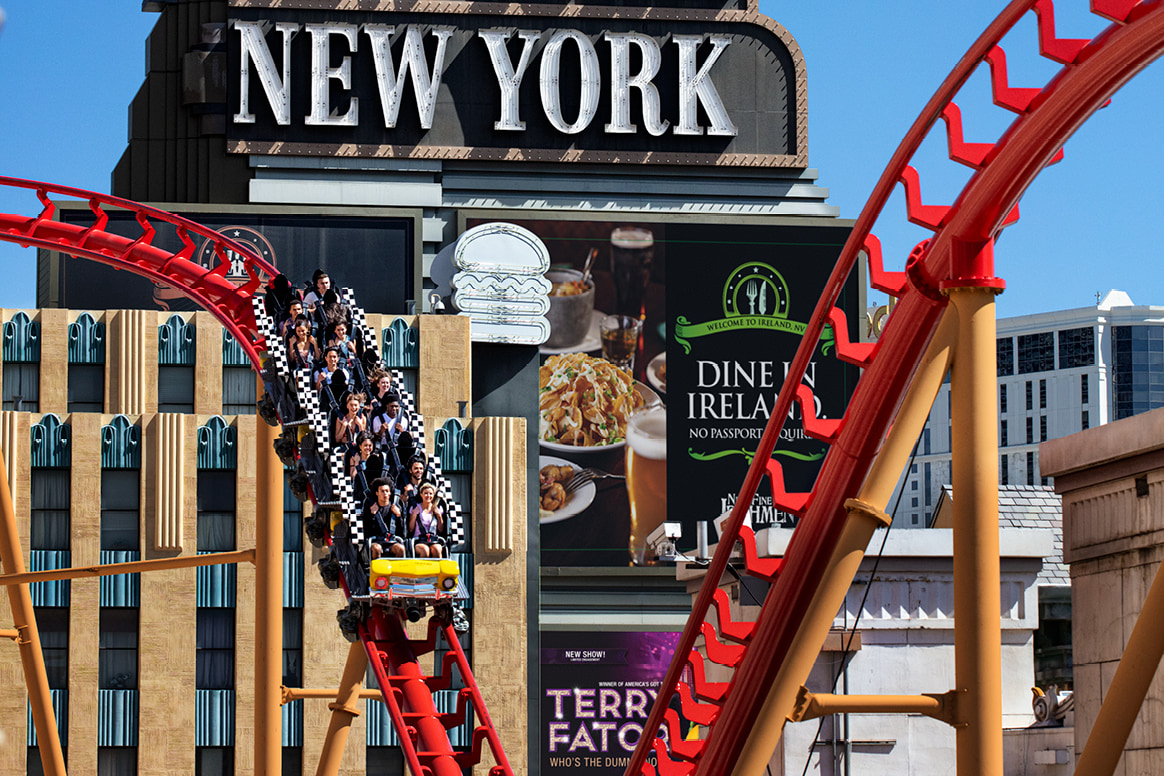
{"x":1112,"y":482}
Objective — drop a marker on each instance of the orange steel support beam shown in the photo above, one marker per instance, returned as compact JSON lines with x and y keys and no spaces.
{"x":290,"y":694}
{"x":811,"y":705}
{"x":781,"y":698}
{"x":268,"y":601}
{"x":977,"y":576}
{"x":9,"y":633}
{"x":1123,"y":699}
{"x":343,"y":711}
{"x":132,"y":567}
{"x":31,"y":657}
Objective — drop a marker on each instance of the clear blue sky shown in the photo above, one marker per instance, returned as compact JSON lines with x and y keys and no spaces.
{"x":68,"y":71}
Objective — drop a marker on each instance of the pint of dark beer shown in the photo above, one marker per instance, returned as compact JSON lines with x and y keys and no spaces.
{"x":632,"y":249}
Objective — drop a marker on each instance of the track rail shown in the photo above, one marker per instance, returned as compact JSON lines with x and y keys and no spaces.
{"x":1092,"y":71}
{"x":207,"y":287}
{"x":406,"y":691}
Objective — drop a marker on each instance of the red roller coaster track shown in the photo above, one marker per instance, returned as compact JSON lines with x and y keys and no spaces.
{"x":1093,"y":70}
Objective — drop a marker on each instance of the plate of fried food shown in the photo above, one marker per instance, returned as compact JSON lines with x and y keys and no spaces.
{"x":657,"y":372}
{"x":584,"y":403}
{"x":555,"y":503}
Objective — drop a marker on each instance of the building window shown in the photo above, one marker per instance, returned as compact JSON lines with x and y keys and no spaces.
{"x":1003,"y":473}
{"x":1042,"y":428}
{"x":238,"y":390}
{"x":22,"y":387}
{"x":1138,"y":373}
{"x":116,"y":760}
{"x":216,"y":502}
{"x":1076,"y":347}
{"x":1002,"y":399}
{"x":1005,"y":357}
{"x":292,"y":519}
{"x":214,"y":661}
{"x":1030,"y":396}
{"x":176,"y":389}
{"x":914,"y":505}
{"x":1030,"y":468}
{"x":120,"y":502}
{"x":1083,"y":389}
{"x":1030,"y":431}
{"x":913,"y":485}
{"x":926,"y":491}
{"x":86,"y":388}
{"x":1003,"y":442}
{"x":53,"y":624}
{"x":926,"y":441}
{"x":1045,"y":481}
{"x":117,"y":649}
{"x":49,"y":501}
{"x":1085,"y":420}
{"x":1042,"y":394}
{"x":293,"y":647}
{"x":913,"y":519}
{"x":214,"y":761}
{"x":1036,"y":352}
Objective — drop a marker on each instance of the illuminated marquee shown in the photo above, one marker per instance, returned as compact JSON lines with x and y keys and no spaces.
{"x":555,"y":83}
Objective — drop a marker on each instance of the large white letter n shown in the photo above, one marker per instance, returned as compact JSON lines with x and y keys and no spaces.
{"x":278,"y":89}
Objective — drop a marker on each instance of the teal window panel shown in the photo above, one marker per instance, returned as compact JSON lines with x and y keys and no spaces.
{"x":446,"y":703}
{"x":177,"y":342}
{"x":50,"y":443}
{"x":292,"y":715}
{"x":60,"y":701}
{"x":293,"y":584}
{"x":401,"y":345}
{"x":465,"y":561}
{"x":216,"y":585}
{"x":214,"y":718}
{"x":120,"y":444}
{"x":379,"y":730}
{"x":21,"y":340}
{"x":217,"y":445}
{"x":120,"y":589}
{"x":86,"y":340}
{"x":117,"y":715}
{"x":56,"y":592}
{"x":454,"y":447}
{"x":232,"y":351}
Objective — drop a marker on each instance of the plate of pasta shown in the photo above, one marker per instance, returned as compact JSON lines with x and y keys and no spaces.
{"x":584,"y":403}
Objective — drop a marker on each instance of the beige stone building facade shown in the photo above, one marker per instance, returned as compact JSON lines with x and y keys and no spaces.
{"x":1111,"y":480}
{"x":130,"y":435}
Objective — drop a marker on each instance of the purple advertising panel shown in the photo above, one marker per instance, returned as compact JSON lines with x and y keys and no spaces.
{"x":597,"y":690}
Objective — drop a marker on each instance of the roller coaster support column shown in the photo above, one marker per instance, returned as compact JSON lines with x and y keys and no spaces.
{"x":343,"y":711}
{"x":1123,"y":699}
{"x":977,"y":577}
{"x":866,"y":514}
{"x":31,"y":657}
{"x":268,"y":601}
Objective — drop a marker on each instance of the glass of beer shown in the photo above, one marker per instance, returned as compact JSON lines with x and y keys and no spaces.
{"x":632,"y":249}
{"x":646,"y":477}
{"x":620,"y":339}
